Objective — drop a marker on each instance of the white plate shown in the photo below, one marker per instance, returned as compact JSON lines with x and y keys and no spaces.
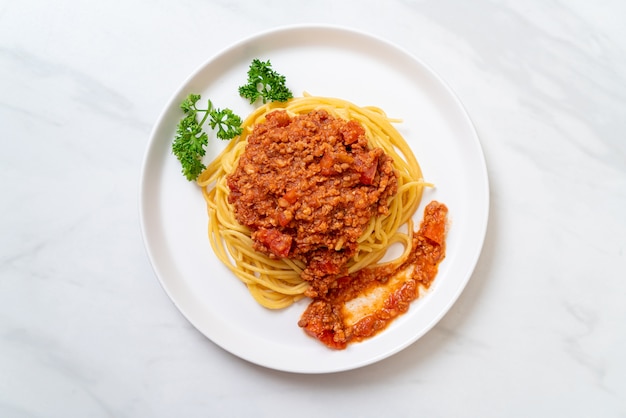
{"x":326,"y":61}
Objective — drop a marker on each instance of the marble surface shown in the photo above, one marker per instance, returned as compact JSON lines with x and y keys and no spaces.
{"x":87,"y":331}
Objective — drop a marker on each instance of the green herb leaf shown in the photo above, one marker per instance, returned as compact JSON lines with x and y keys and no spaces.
{"x":265,"y":83}
{"x":227,"y":123}
{"x":190,"y":139}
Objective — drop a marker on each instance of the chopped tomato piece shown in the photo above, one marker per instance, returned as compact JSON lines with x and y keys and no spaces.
{"x":368,"y":168}
{"x":291,"y":196}
{"x":435,"y":228}
{"x":351,"y":132}
{"x":367,"y":177}
{"x":285,"y":217}
{"x":326,"y":165}
{"x":276,"y":242}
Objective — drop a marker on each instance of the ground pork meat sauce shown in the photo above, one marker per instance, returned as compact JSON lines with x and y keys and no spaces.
{"x":307,"y":186}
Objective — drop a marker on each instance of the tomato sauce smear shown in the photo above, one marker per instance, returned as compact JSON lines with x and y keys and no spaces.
{"x":366,"y":302}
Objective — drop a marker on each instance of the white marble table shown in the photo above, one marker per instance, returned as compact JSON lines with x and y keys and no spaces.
{"x":87,"y":331}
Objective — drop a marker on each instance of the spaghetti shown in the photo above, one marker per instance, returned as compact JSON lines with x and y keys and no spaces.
{"x":277,"y":282}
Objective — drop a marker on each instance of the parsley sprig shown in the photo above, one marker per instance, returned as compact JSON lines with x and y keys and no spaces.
{"x":190,"y":139}
{"x":265,"y":83}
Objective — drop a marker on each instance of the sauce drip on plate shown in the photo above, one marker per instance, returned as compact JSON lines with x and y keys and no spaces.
{"x":367,"y":301}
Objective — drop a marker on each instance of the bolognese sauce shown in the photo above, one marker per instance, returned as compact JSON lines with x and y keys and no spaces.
{"x":367,"y":301}
{"x":307,"y":186}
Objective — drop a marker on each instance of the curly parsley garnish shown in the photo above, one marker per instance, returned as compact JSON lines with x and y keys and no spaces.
{"x":190,"y":139}
{"x":265,"y":83}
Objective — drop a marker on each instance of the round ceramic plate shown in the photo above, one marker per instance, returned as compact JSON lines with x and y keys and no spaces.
{"x":324,"y":61}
